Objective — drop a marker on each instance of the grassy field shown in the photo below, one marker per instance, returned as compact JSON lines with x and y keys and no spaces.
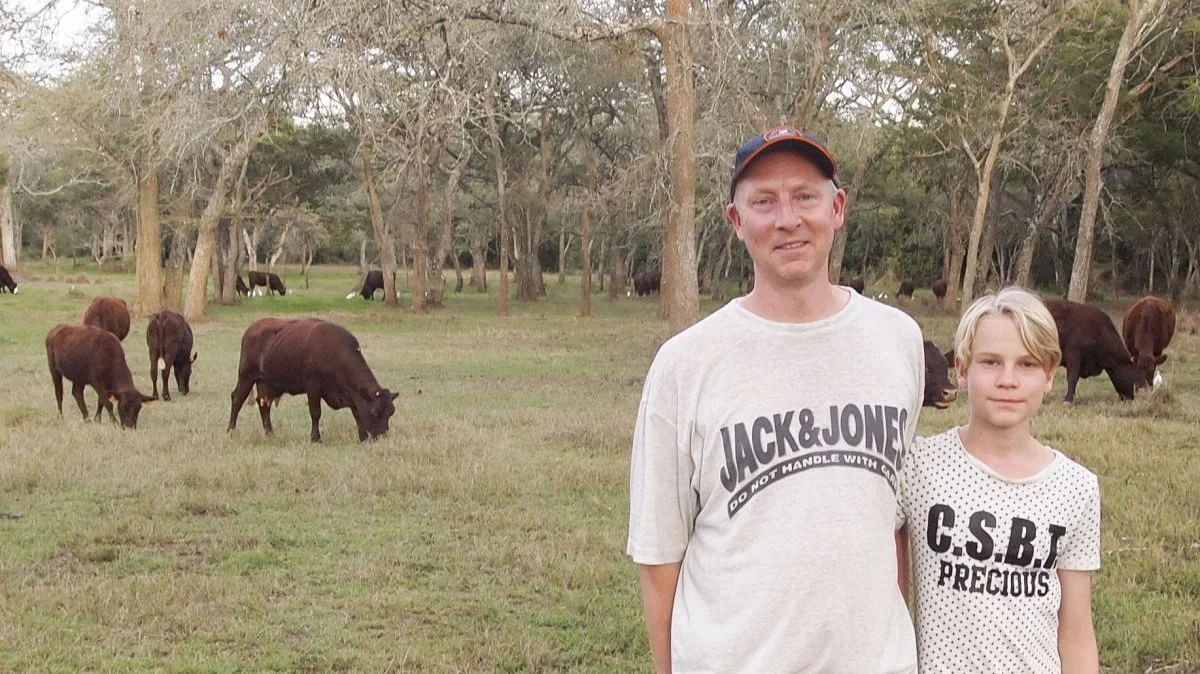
{"x":485,"y":533}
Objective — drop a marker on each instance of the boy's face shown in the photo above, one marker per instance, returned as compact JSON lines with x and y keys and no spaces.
{"x":1005,"y":383}
{"x":786,"y":211}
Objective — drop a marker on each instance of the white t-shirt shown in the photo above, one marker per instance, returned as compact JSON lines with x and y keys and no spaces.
{"x":986,"y":550}
{"x":766,"y":459}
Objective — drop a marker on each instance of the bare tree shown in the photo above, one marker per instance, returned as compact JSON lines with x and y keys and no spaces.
{"x":1144,"y":16}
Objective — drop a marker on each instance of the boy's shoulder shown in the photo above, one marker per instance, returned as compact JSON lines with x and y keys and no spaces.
{"x":1075,"y":473}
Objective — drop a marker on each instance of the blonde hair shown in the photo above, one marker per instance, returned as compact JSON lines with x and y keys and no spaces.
{"x":1039,"y":334}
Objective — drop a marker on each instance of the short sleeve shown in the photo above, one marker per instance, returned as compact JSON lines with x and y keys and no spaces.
{"x":904,"y":489}
{"x":662,"y":506}
{"x":1081,"y":547}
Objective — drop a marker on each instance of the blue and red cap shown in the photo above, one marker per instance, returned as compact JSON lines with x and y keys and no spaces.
{"x":813,"y":149}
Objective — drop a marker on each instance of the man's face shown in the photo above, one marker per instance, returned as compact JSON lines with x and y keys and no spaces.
{"x":786,"y":211}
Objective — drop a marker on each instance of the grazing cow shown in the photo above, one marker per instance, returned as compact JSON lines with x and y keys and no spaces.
{"x":647,"y":282}
{"x":373,"y":282}
{"x":313,"y":357}
{"x":90,"y":356}
{"x":907,"y":286}
{"x":1090,"y":345}
{"x":170,"y":340}
{"x":241,"y":287}
{"x":109,"y":313}
{"x":7,"y":282}
{"x":939,"y":289}
{"x":858,"y":284}
{"x":268,"y":280}
{"x":939,"y":391}
{"x":1148,"y":328}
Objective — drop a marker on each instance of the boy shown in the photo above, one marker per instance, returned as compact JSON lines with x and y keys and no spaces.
{"x":1005,"y":530}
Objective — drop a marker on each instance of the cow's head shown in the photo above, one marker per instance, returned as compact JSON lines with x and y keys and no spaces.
{"x":129,"y":406}
{"x":183,"y":374}
{"x":939,"y":391}
{"x":1125,"y":379}
{"x":1146,"y":364}
{"x":375,"y":409}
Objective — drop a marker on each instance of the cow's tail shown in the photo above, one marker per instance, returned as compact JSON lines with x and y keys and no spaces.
{"x":160,"y":330}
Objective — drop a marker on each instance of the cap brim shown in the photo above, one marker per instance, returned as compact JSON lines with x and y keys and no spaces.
{"x":812,"y":151}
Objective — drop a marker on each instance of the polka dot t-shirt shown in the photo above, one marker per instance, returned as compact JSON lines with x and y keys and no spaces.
{"x":985,"y":553}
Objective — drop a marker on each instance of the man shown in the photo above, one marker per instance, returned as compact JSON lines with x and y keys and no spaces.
{"x":763,"y":506}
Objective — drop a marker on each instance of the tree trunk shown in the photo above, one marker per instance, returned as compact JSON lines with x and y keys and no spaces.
{"x":953,"y":241}
{"x":148,"y":297}
{"x":616,"y":265}
{"x":478,"y":259}
{"x":172,"y":290}
{"x":585,"y":241}
{"x":679,"y":244}
{"x":196,"y":301}
{"x":8,"y":239}
{"x":276,"y":254}
{"x":501,"y":203}
{"x":1131,"y":37}
{"x":562,"y":256}
{"x":420,"y":226}
{"x":1039,"y":223}
{"x":446,"y":240}
{"x":383,"y":235}
{"x":838,"y":252}
{"x":987,"y":243}
{"x":982,"y":199}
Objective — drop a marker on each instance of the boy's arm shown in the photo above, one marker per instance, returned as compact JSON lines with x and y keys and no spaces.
{"x":1076,"y":637}
{"x":902,"y":561}
{"x":658,"y":599}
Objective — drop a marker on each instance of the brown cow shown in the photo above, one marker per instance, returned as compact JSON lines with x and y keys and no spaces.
{"x":1148,"y":328}
{"x":6,"y":281}
{"x":89,"y":356}
{"x":857,"y":284}
{"x":109,"y":313}
{"x":169,"y":338}
{"x":268,"y":280}
{"x":907,"y":286}
{"x":939,"y":391}
{"x":1090,"y":345}
{"x":939,"y":289}
{"x":314,"y":357}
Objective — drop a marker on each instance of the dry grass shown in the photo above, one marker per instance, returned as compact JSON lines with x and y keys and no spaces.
{"x":484,"y":534}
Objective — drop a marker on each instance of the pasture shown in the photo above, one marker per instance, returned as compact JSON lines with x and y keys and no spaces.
{"x":485,"y":533}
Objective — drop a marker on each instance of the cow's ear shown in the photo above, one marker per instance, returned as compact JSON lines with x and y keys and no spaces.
{"x":1161,"y":359}
{"x":949,"y":356}
{"x":112,"y":397}
{"x":147,"y":399}
{"x":194,"y":357}
{"x":395,"y":395}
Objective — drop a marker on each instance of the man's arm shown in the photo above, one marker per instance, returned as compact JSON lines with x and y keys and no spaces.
{"x":1076,"y":637}
{"x":658,"y":599}
{"x":902,"y":561}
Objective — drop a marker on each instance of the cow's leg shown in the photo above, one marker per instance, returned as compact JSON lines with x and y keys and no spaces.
{"x":105,"y":404}
{"x":314,"y":411}
{"x":154,"y":374}
{"x":264,"y":398}
{"x":238,"y":399}
{"x":56,"y":377}
{"x":166,"y":372}
{"x":77,"y":393}
{"x":362,"y":434}
{"x":1073,"y":365}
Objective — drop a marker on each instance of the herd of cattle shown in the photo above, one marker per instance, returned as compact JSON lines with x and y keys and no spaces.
{"x":300,"y":356}
{"x":323,"y":360}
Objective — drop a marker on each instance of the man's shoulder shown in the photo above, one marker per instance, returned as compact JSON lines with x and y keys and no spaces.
{"x":711,"y":332}
{"x":877,"y":310}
